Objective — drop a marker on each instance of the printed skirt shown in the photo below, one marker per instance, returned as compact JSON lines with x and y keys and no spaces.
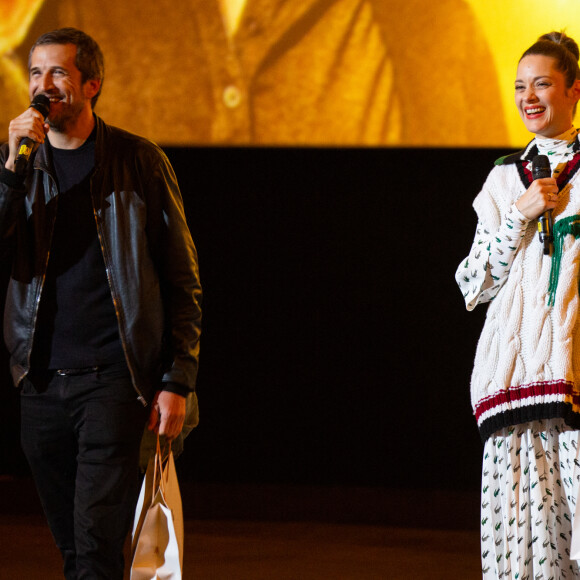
{"x":531,"y":474}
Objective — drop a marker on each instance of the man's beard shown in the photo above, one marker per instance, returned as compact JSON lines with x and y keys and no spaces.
{"x":67,"y":117}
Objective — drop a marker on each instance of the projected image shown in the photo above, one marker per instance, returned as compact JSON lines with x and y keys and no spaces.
{"x":279,"y":72}
{"x":15,"y":19}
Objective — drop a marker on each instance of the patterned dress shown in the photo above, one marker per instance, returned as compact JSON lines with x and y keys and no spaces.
{"x":530,"y":481}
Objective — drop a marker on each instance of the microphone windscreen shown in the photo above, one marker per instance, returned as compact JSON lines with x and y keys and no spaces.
{"x":541,"y":167}
{"x":42,"y":104}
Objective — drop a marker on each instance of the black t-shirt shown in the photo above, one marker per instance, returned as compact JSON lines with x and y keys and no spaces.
{"x":77,"y":326}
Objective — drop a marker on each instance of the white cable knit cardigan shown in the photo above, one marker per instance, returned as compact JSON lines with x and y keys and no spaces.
{"x":527,"y":364}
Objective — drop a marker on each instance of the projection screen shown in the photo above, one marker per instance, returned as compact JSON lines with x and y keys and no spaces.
{"x":296,"y":72}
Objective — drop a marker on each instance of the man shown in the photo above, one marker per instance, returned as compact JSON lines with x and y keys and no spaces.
{"x":102,"y":318}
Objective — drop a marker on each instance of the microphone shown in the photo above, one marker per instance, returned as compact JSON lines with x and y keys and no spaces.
{"x":42,"y":104}
{"x":540,"y":170}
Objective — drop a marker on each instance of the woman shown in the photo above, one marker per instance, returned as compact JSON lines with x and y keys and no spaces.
{"x":525,"y":386}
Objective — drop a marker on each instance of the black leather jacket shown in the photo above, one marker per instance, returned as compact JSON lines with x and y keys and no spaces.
{"x":150,"y":258}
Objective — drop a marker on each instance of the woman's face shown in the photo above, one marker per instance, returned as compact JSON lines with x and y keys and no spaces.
{"x":544,"y":103}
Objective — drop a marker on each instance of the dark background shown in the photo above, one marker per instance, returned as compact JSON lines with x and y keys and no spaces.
{"x":336,"y":347}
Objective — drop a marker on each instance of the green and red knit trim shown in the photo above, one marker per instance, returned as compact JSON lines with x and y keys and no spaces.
{"x":516,"y":405}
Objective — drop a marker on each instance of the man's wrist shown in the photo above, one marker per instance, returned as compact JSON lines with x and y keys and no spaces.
{"x":175,"y":388}
{"x":11,"y":179}
{"x":9,"y":164}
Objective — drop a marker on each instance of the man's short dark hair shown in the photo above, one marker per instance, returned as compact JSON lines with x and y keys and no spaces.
{"x":89,"y":59}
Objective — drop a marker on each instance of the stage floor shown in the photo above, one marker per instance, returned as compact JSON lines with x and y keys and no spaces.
{"x":247,"y":550}
{"x":282,"y":532}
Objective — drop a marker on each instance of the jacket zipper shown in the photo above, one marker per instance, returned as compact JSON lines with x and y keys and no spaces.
{"x":116,"y":302}
{"x":43,"y":278}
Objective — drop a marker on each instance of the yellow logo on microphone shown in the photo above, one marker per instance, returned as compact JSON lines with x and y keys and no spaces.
{"x":24,"y":150}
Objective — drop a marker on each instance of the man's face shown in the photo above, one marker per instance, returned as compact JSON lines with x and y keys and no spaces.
{"x":53,"y":72}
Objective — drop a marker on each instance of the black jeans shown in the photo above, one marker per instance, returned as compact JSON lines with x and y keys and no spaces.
{"x":81,"y":436}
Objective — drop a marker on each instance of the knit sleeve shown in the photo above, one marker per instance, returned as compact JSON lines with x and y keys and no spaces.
{"x":486,"y":268}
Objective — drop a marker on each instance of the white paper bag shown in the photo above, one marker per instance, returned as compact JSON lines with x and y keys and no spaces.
{"x":157,"y":543}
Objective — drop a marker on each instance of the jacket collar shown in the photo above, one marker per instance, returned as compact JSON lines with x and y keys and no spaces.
{"x":43,"y":157}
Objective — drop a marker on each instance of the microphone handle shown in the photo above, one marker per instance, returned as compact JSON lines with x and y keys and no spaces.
{"x":24,"y":151}
{"x":26,"y":146}
{"x":545,"y":227}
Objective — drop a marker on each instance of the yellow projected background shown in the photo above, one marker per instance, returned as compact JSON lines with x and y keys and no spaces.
{"x":16,"y":17}
{"x":299,"y":72}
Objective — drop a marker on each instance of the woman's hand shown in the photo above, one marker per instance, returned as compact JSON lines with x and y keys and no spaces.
{"x":541,"y":196}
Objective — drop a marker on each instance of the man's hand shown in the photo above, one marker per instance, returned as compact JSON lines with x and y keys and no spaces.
{"x":30,"y":124}
{"x":167,"y":414}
